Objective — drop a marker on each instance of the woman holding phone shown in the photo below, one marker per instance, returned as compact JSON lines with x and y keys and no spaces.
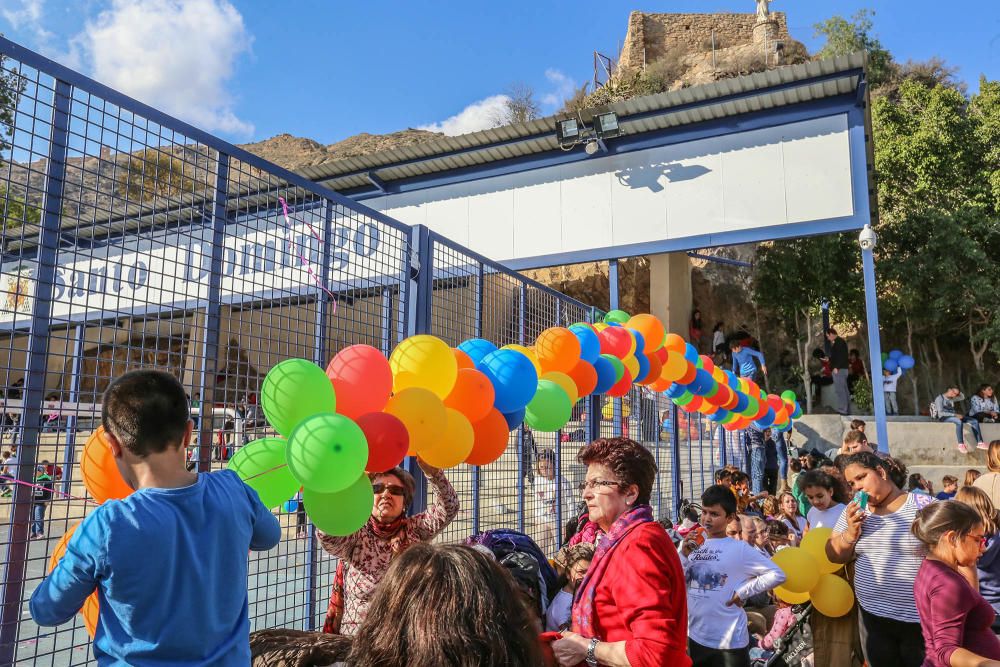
{"x":874,"y":531}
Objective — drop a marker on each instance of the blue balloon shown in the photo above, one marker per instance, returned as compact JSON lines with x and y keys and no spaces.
{"x":906,"y":362}
{"x":690,"y":353}
{"x":590,"y":344}
{"x":513,"y":377}
{"x":702,"y":383}
{"x":797,"y":414}
{"x":605,"y":375}
{"x":291,"y":505}
{"x":890,"y":365}
{"x":742,"y":401}
{"x":514,"y":419}
{"x":676,"y":390}
{"x":732,"y":380}
{"x":895,"y":354}
{"x":767,"y":419}
{"x":718,"y":415}
{"x":477,"y":349}
{"x":640,"y":343}
{"x":643,"y":368}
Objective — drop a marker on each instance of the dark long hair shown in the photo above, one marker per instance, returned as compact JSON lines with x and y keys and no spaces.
{"x":895,"y":470}
{"x":936,"y":519}
{"x":446,"y":606}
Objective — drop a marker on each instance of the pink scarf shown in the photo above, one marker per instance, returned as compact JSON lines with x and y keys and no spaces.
{"x":583,"y":605}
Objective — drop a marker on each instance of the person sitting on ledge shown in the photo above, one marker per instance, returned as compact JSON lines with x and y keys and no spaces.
{"x":943,"y":409}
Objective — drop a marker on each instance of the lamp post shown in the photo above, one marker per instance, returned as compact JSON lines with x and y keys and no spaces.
{"x":867,"y":240}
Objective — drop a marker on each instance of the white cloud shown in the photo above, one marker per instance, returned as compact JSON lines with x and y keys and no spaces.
{"x":176,"y":55}
{"x":27,"y":14}
{"x":563,"y":88}
{"x":480,"y":115}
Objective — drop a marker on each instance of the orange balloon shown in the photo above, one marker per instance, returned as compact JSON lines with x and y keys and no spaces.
{"x":675,"y":343}
{"x":99,"y":472}
{"x":651,"y":329}
{"x":454,"y":444}
{"x":91,"y":607}
{"x":473,"y":394}
{"x":675,"y":367}
{"x":490,"y":441}
{"x":655,"y":368}
{"x":558,"y":349}
{"x":464,"y":360}
{"x":585,"y":377}
{"x":660,"y":385}
{"x":423,"y":414}
{"x":688,"y":375}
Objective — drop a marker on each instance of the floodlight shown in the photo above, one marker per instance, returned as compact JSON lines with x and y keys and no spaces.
{"x":568,"y":131}
{"x":606,"y":125}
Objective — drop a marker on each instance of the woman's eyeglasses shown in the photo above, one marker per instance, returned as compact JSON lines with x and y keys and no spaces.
{"x":394,"y":489}
{"x":594,"y":483}
{"x":979,"y":538}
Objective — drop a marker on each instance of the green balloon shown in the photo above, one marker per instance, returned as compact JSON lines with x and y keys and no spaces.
{"x":262,"y":466}
{"x":550,"y":409}
{"x":753,"y":405}
{"x":684,"y":398}
{"x":617,"y":317}
{"x":788,"y":395}
{"x":712,"y":391}
{"x":327,"y":452}
{"x":700,"y":363}
{"x":617,"y":363}
{"x":342,"y":513}
{"x":885,"y":355}
{"x":294,"y":390}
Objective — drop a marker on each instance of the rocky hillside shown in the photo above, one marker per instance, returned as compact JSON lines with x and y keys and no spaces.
{"x":298,"y":152}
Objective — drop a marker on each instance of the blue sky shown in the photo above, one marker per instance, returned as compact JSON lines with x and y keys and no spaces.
{"x":328,"y":69}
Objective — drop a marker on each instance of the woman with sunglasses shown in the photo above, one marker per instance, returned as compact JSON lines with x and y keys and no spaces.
{"x":364,"y":557}
{"x":956,"y":620}
{"x":631,"y":607}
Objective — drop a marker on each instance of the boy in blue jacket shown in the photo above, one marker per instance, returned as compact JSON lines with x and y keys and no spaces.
{"x":169,"y":562}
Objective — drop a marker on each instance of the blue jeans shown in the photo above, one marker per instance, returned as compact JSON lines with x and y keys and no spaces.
{"x":958,"y":421}
{"x":38,"y":518}
{"x":756,"y":470}
{"x":782,"y":449}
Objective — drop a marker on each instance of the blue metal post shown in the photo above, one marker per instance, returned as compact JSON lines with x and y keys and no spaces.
{"x":558,"y":471}
{"x":675,"y":457}
{"x":322,"y":353}
{"x":422,"y":273}
{"x":477,"y":480}
{"x":723,"y":444}
{"x":34,"y":377}
{"x":874,"y":347}
{"x":522,"y":317}
{"x":387,"y":317}
{"x":69,"y":451}
{"x":613,"y":298}
{"x":213,"y":314}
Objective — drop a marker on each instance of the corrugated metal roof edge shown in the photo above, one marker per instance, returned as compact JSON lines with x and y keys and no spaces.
{"x":650,"y":104}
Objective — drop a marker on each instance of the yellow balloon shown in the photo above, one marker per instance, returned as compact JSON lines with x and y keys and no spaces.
{"x":608,"y":411}
{"x":564,"y":381}
{"x":832,"y":596}
{"x":600,"y":326}
{"x":815,"y":543}
{"x":528,"y":352}
{"x":800,"y":568}
{"x":675,"y":367}
{"x":422,"y":413}
{"x":426,"y":362}
{"x":453,"y":445}
{"x":631,"y":363}
{"x":790,"y":597}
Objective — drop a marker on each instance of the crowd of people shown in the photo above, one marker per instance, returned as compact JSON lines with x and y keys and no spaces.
{"x":625,"y":589}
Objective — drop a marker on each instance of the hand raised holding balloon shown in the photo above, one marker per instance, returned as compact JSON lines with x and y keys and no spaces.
{"x":428,"y":469}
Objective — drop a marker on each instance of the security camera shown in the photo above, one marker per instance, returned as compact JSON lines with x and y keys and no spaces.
{"x":867,"y":238}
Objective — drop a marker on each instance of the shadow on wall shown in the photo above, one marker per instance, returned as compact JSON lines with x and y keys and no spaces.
{"x":648,"y":176}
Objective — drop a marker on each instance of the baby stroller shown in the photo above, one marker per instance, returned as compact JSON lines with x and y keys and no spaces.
{"x":795,"y":647}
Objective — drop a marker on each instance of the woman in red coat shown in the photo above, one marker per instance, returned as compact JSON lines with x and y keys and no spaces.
{"x":631,"y":608}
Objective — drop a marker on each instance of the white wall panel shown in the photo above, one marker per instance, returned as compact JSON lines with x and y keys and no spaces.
{"x":811,"y":156}
{"x":491,"y":224}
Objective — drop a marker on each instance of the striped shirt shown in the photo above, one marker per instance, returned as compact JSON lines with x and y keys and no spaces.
{"x":888,"y":558}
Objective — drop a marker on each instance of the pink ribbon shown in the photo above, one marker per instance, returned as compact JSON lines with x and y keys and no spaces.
{"x":302,"y":259}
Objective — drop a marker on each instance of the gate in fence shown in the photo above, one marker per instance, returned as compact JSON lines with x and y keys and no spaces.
{"x":133,"y":240}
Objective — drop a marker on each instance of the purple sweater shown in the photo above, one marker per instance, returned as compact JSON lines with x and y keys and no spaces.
{"x":953,"y":615}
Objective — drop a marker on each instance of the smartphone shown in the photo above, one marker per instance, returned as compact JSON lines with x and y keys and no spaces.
{"x":861,"y":498}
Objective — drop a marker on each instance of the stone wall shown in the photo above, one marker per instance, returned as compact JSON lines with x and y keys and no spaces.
{"x":656,"y":34}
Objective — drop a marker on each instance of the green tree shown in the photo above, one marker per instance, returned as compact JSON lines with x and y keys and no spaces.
{"x":793,"y":278}
{"x":14,"y":212}
{"x":11,"y":87}
{"x":845,"y":36}
{"x":154,"y":173}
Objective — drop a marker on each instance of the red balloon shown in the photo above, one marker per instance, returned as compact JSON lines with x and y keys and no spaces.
{"x":775,"y":402}
{"x":661,"y":354}
{"x":734,"y":398}
{"x":361,"y":379}
{"x":693,"y":404}
{"x":585,"y":377}
{"x":616,"y":341}
{"x":387,"y":438}
{"x":707,"y":364}
{"x":688,"y":376}
{"x":490,"y":439}
{"x":655,"y":368}
{"x":621,"y":387}
{"x":719,"y":397}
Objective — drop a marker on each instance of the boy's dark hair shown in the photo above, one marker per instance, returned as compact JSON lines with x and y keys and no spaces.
{"x":794,"y":465}
{"x":739,"y":477}
{"x":777,"y":528}
{"x":721,"y":496}
{"x":722,"y":474}
{"x":146,"y":411}
{"x":855,"y":436}
{"x":951,"y":386}
{"x":949,"y":479}
{"x":857,"y":424}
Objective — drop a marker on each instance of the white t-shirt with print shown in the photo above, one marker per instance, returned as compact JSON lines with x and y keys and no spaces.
{"x":712,"y":573}
{"x":545,"y":497}
{"x":825,"y":518}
